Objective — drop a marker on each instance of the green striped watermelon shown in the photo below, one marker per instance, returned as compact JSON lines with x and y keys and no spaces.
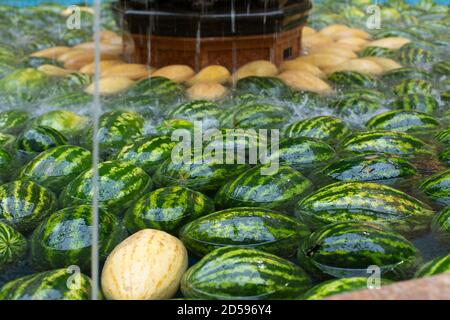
{"x":39,"y":139}
{"x":6,"y":140}
{"x":200,"y":174}
{"x":391,"y":142}
{"x":146,"y":106}
{"x":437,"y":187}
{"x":370,"y":167}
{"x":13,"y":246}
{"x":442,"y":68}
{"x":65,"y":238}
{"x":304,"y":152}
{"x":49,"y":285}
{"x":308,"y":100}
{"x":162,"y":88}
{"x":338,"y":286}
{"x":167,"y":209}
{"x":263,"y":86}
{"x":196,"y":110}
{"x":356,"y":106}
{"x":147,"y":153}
{"x":365,"y":202}
{"x":441,"y":226}
{"x":57,"y":167}
{"x":351,"y":79}
{"x":405,"y":73}
{"x":13,"y":121}
{"x":244,"y":273}
{"x":416,"y":102}
{"x":76,"y":99}
{"x":24,"y":204}
{"x":326,"y":128}
{"x":412,"y":56}
{"x":68,"y":123}
{"x":278,"y":190}
{"x":120,"y":184}
{"x":348,"y":249}
{"x":116,"y":129}
{"x":444,"y":137}
{"x":405,"y":121}
{"x":260,"y":116}
{"x":256,"y":228}
{"x":167,"y":127}
{"x":365,"y":94}
{"x":413,"y":86}
{"x":444,"y":157}
{"x":434,"y":267}
{"x":25,"y":85}
{"x":371,"y":51}
{"x":6,"y":164}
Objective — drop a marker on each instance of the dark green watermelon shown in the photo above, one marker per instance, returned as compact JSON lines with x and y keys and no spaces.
{"x":57,"y":167}
{"x":161,"y":88}
{"x":49,"y":285}
{"x":356,"y":106}
{"x":6,"y":165}
{"x":256,"y":228}
{"x":260,"y":116}
{"x":365,"y":202}
{"x":442,"y":68}
{"x":13,"y":246}
{"x":412,"y":56}
{"x":167,"y":209}
{"x":65,"y":238}
{"x":444,"y":157}
{"x":444,"y":137}
{"x":120,"y":184}
{"x":6,"y":140}
{"x":263,"y":186}
{"x":244,"y":273}
{"x":370,"y":167}
{"x":167,"y":127}
{"x":24,"y":204}
{"x":348,"y":249}
{"x":147,"y":153}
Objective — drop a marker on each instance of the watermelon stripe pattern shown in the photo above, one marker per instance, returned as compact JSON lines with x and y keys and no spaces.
{"x":39,"y":139}
{"x":347,"y":249}
{"x":366,"y":202}
{"x":65,"y":238}
{"x":416,"y":102}
{"x":404,"y":121}
{"x":441,"y":226}
{"x":437,"y":187}
{"x":256,"y":228}
{"x":372,"y":167}
{"x":120,"y":184}
{"x":167,"y":209}
{"x":381,"y":141}
{"x":243,"y":273}
{"x":434,"y":267}
{"x":253,"y":189}
{"x":57,"y":167}
{"x":326,"y":128}
{"x":24,"y":204}
{"x":13,"y":246}
{"x":49,"y":285}
{"x":338,"y":286}
{"x":413,"y":87}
